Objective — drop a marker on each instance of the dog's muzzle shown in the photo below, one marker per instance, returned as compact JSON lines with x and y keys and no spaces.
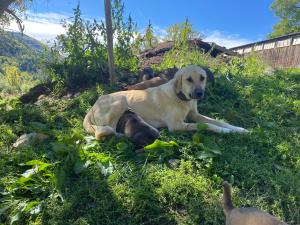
{"x":197,"y":94}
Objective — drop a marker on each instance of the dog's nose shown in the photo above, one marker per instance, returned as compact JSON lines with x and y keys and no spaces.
{"x":199,"y":93}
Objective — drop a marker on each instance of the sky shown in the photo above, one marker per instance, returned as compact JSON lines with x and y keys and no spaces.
{"x":229,"y":23}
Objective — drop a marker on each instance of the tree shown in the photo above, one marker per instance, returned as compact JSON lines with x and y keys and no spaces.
{"x":150,"y":40}
{"x":289,"y":13}
{"x":9,"y":9}
{"x":181,"y":31}
{"x":109,"y":34}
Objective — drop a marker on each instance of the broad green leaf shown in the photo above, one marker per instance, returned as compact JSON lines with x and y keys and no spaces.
{"x":35,"y":162}
{"x":157,"y":144}
{"x":31,"y":205}
{"x":37,"y":209}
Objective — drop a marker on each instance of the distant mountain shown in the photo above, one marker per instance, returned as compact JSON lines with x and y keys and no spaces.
{"x":22,"y":50}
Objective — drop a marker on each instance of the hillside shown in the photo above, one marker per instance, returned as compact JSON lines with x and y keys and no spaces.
{"x":70,"y":178}
{"x":21,"y":50}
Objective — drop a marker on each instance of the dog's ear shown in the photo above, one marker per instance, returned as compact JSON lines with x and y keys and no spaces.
{"x":210,"y":75}
{"x":178,"y":81}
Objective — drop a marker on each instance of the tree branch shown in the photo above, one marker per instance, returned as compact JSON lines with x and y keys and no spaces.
{"x":4,"y":4}
{"x":19,"y":21}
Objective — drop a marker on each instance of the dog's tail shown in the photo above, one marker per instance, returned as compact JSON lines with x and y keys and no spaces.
{"x":227,"y":203}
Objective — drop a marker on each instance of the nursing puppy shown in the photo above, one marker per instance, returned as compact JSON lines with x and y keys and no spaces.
{"x":167,"y":105}
{"x":245,"y":216}
{"x":136,"y":129}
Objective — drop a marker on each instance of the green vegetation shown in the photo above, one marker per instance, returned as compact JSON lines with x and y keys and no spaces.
{"x":21,"y":62}
{"x":84,"y":48}
{"x":289,"y":14}
{"x":71,"y":178}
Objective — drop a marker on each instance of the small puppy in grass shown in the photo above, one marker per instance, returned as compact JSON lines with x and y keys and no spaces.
{"x":136,"y":129}
{"x":245,"y":216}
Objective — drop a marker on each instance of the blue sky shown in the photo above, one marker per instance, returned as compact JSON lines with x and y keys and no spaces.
{"x":226,"y":22}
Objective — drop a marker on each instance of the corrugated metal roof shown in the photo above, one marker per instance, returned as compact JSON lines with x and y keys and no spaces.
{"x":268,"y":40}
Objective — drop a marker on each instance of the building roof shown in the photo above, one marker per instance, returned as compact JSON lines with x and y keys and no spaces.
{"x":297,"y":34}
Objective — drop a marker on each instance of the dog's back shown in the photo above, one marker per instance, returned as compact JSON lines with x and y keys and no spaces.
{"x":245,"y":216}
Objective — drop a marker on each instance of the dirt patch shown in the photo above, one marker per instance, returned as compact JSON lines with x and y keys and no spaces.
{"x":155,"y":55}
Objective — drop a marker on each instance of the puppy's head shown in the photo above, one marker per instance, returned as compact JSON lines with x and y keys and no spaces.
{"x":140,"y":132}
{"x":136,"y":129}
{"x":191,"y":81}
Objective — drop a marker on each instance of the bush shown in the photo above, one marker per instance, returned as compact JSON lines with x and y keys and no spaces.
{"x":80,"y":56}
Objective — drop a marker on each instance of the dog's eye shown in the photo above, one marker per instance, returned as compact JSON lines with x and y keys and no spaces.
{"x":190,"y":80}
{"x":202,"y":78}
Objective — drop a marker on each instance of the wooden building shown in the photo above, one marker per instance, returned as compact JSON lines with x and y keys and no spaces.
{"x":280,"y":52}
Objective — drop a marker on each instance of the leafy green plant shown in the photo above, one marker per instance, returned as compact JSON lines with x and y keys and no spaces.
{"x":26,"y":195}
{"x":161,"y":150}
{"x":80,"y":55}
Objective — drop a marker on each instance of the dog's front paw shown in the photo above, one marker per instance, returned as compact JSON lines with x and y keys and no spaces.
{"x":239,"y":130}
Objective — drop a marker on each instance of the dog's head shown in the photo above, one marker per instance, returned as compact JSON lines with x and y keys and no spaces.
{"x":190,"y":82}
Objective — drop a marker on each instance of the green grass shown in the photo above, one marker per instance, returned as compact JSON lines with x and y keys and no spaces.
{"x":80,"y":181}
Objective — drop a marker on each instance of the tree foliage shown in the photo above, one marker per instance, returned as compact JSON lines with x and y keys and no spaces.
{"x":289,"y":13}
{"x":84,"y":47}
{"x":182,"y":31}
{"x":11,"y":9}
{"x":150,"y":39}
{"x":182,"y":53}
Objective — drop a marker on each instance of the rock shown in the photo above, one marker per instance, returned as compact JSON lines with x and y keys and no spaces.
{"x":27,"y":139}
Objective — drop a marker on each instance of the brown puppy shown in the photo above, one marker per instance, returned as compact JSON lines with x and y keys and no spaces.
{"x":136,"y":129}
{"x":245,"y":216}
{"x":154,"y":82}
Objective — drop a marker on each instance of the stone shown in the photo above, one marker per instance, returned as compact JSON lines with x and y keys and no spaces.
{"x":27,"y":139}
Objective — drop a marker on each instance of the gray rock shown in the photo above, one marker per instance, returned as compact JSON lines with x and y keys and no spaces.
{"x":27,"y":139}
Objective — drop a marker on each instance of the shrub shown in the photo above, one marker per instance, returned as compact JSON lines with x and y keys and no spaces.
{"x":80,"y":56}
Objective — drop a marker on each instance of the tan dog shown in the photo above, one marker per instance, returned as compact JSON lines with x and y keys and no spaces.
{"x":168,"y":105}
{"x":245,"y":216}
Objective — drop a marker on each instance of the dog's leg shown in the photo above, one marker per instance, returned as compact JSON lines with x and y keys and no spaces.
{"x":193,"y":126}
{"x":196,"y":117}
{"x":103,"y":131}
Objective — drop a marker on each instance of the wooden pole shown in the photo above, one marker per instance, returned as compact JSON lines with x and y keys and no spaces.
{"x":109,"y":34}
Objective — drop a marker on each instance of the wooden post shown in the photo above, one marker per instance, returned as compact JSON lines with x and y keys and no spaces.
{"x":109,"y":34}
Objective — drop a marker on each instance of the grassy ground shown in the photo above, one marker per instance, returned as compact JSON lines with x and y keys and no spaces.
{"x":70,"y":179}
